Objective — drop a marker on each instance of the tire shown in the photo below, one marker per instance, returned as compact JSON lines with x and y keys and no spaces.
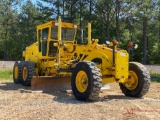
{"x":86,"y":81}
{"x":28,"y":71}
{"x":17,"y":69}
{"x":141,"y":77}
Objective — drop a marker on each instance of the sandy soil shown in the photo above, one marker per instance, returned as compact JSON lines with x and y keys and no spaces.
{"x":20,"y":103}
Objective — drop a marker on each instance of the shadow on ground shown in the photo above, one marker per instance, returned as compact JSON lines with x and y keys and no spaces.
{"x":13,"y":86}
{"x":60,"y":96}
{"x":117,"y":97}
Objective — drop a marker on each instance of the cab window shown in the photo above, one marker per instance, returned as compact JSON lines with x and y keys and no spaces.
{"x":54,"y":34}
{"x":68,"y":33}
{"x":45,"y":33}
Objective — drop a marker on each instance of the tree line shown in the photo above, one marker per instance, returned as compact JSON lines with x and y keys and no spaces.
{"x":124,"y":20}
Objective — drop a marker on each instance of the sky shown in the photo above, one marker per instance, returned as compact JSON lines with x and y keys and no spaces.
{"x":34,"y":1}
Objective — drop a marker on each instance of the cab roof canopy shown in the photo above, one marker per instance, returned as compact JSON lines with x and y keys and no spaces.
{"x":55,"y":23}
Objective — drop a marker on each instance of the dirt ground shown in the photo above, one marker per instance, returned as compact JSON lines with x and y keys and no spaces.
{"x":20,"y":103}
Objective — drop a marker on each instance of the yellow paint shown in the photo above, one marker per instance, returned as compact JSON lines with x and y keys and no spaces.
{"x":65,"y":53}
{"x":81,"y":81}
{"x":25,"y":73}
{"x":89,"y":33}
{"x":121,"y":67}
{"x":16,"y":72}
{"x":59,"y":29}
{"x":132,"y":81}
{"x":108,"y":80}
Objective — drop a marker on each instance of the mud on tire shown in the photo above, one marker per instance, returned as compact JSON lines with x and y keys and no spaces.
{"x":94,"y":81}
{"x":28,"y":71}
{"x":143,"y":83}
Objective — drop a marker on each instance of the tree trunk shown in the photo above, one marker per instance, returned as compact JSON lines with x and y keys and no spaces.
{"x":159,"y":34}
{"x":90,"y":16}
{"x":144,"y":40}
{"x":63,"y":9}
{"x":58,"y":9}
{"x":80,"y":14}
{"x":5,"y":50}
{"x":117,"y":20}
{"x":108,"y":24}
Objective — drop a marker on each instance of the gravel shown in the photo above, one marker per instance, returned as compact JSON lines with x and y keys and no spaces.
{"x":7,"y":64}
{"x":20,"y":103}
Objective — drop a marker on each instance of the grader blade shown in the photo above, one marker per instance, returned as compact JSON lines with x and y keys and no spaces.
{"x":48,"y":84}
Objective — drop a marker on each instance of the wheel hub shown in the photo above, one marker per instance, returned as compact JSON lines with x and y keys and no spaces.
{"x":132,"y":82}
{"x":81,"y":81}
{"x":16,"y":72}
{"x":25,"y":73}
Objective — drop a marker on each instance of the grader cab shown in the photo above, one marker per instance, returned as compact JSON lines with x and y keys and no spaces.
{"x":85,"y":67}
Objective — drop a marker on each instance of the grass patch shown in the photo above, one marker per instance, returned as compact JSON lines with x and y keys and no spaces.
{"x":155,"y":77}
{"x":6,"y":74}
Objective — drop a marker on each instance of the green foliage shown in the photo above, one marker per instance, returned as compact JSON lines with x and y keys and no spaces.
{"x":6,"y":74}
{"x":127,"y":20}
{"x":155,"y":77}
{"x":18,"y":28}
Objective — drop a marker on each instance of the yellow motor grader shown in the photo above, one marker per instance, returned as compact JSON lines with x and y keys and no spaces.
{"x":59,"y":54}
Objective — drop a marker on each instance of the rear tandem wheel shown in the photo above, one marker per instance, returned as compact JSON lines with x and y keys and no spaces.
{"x":17,"y":71}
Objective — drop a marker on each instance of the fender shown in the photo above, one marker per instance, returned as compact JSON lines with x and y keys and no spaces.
{"x":105,"y":61}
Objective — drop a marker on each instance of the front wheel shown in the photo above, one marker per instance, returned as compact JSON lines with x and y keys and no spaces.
{"x":28,"y":71}
{"x":86,"y":81}
{"x":138,"y":82}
